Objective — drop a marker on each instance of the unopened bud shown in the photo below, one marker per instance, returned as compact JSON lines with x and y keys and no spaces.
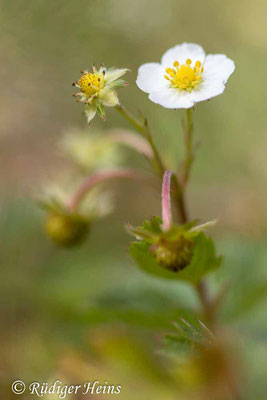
{"x":66,"y":230}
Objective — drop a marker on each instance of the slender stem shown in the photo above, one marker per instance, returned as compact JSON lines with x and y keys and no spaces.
{"x":130,"y":118}
{"x":166,"y":201}
{"x":189,"y":157}
{"x":136,"y":142}
{"x":97,"y":178}
{"x":202,"y":289}
{"x":158,"y":166}
{"x":207,"y":303}
{"x":156,"y":163}
{"x":180,"y":201}
{"x":143,"y":128}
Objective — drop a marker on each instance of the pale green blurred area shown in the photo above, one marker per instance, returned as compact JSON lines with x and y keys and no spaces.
{"x":91,"y":314}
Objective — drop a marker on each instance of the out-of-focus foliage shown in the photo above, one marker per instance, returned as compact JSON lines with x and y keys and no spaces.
{"x":107,"y":317}
{"x":91,"y":314}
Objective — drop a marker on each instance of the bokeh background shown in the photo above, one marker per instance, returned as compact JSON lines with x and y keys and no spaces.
{"x":90,"y":313}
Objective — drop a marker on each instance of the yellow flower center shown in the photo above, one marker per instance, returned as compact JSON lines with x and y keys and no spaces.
{"x":91,"y":83}
{"x":184,"y":76}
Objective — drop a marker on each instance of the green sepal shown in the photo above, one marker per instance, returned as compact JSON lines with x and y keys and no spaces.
{"x":152,"y":232}
{"x":101,"y":110}
{"x":119,"y":83}
{"x":204,"y":260}
{"x":51,"y":204}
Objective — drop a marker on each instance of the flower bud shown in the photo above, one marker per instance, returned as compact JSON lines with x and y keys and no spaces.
{"x":66,"y":230}
{"x":173,"y":256}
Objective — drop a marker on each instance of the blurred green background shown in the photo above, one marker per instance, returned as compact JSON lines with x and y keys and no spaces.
{"x":90,"y":313}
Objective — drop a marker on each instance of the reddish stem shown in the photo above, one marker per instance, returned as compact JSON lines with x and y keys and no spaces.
{"x":132,"y":140}
{"x":166,"y":201}
{"x":99,"y":177}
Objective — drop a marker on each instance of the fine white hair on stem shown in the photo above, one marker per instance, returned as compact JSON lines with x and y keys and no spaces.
{"x":99,"y":177}
{"x":166,"y":201}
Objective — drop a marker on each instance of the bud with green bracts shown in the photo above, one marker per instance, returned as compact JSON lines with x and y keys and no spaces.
{"x":66,"y":230}
{"x":172,"y":250}
{"x":179,"y":249}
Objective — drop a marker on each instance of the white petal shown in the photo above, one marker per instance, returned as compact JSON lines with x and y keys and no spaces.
{"x":172,"y":98}
{"x":113,"y":74}
{"x":218,"y":66}
{"x":181,"y":53}
{"x":90,"y":112}
{"x":207,"y":89}
{"x":151,"y":77}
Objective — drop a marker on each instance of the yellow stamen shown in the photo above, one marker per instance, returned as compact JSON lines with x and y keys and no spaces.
{"x":91,"y":83}
{"x":169,"y":70}
{"x":185,"y":76}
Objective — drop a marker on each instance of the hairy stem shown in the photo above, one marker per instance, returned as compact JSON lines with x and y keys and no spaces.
{"x":202,"y":289}
{"x":156,"y":162}
{"x":143,"y":129}
{"x":97,"y":178}
{"x":189,"y":156}
{"x":166,"y":201}
{"x":131,"y":119}
{"x":180,"y":201}
{"x":132,"y":140}
{"x":207,"y":303}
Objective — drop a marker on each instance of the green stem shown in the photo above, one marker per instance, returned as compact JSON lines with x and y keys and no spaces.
{"x":189,"y":156}
{"x":156,"y":163}
{"x":131,"y":119}
{"x":180,"y":200}
{"x":207,"y":303}
{"x":201,"y":288}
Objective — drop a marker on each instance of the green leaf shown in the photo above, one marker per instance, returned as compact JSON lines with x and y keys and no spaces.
{"x":177,"y":344}
{"x":245,"y":274}
{"x":187,"y":337}
{"x":245,"y":301}
{"x":203,"y":261}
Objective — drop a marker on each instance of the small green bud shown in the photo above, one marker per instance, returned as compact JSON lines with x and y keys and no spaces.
{"x":173,"y":255}
{"x":66,"y":230}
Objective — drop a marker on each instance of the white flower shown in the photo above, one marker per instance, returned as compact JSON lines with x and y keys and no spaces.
{"x":98,"y":90}
{"x":185,"y":76}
